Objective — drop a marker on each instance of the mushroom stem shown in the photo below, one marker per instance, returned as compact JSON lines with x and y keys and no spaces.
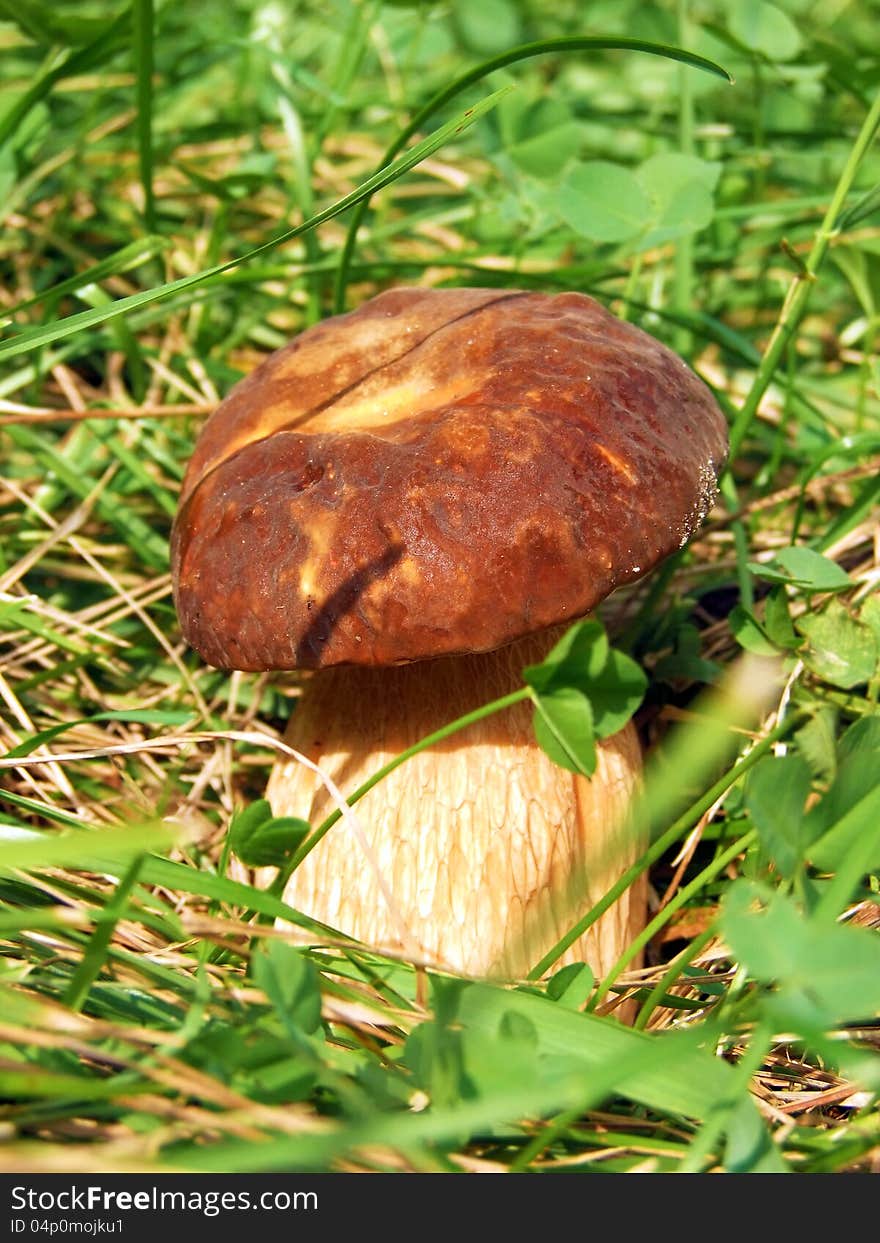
{"x":489,"y":851}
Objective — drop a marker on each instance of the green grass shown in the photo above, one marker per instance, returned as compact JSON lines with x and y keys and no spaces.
{"x":178,"y":202}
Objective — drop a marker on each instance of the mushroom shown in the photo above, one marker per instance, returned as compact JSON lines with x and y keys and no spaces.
{"x":410,"y":500}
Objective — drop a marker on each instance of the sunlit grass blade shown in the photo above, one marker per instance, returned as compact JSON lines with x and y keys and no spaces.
{"x":145,"y":717}
{"x":684,"y":895}
{"x":855,"y":447}
{"x":126,"y":341}
{"x":95,"y":850}
{"x":15,"y":614}
{"x":130,"y":256}
{"x":156,"y":871}
{"x":691,"y":1089}
{"x":37,"y":337}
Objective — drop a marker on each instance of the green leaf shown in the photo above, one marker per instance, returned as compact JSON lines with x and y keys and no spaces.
{"x":29,"y":131}
{"x":585,"y":1038}
{"x":862,"y":209}
{"x":244,"y":822}
{"x":545,"y":155}
{"x":802,"y":958}
{"x":841,"y":649}
{"x":816,"y":742}
{"x":291,"y":983}
{"x":766,"y":29}
{"x":587,"y":1059}
{"x":615,"y":693}
{"x":862,"y":270}
{"x":861,"y":739}
{"x":263,"y":840}
{"x":803,"y":568}
{"x":777,"y":620}
{"x":870,"y":616}
{"x":775,"y":794}
{"x":453,"y":1064}
{"x":749,"y":1149}
{"x":576,"y":660}
{"x":603,"y":202}
{"x":563,"y":723}
{"x":681,"y":193}
{"x":488,"y":26}
{"x":543,"y":47}
{"x":485,"y":1038}
{"x":54,"y":23}
{"x":582,"y":690}
{"x":686,"y":662}
{"x":855,"y":828}
{"x":571,"y":986}
{"x":811,"y":569}
{"x":8,"y":171}
{"x":749,"y":633}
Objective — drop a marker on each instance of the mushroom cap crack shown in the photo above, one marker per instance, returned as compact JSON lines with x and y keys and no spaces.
{"x":440,"y":471}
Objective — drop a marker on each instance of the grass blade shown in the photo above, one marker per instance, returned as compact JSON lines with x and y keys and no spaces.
{"x":81,"y":61}
{"x":93,"y":959}
{"x":124,"y":260}
{"x":138,"y":534}
{"x":799,"y":291}
{"x":178,"y":876}
{"x":142,"y":20}
{"x":44,"y":335}
{"x":98,"y":850}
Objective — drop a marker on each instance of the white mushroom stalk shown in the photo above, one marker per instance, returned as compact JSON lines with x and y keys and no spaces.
{"x":490,"y":851}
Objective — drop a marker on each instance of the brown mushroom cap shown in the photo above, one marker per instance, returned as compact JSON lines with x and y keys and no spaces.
{"x":439,"y":471}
